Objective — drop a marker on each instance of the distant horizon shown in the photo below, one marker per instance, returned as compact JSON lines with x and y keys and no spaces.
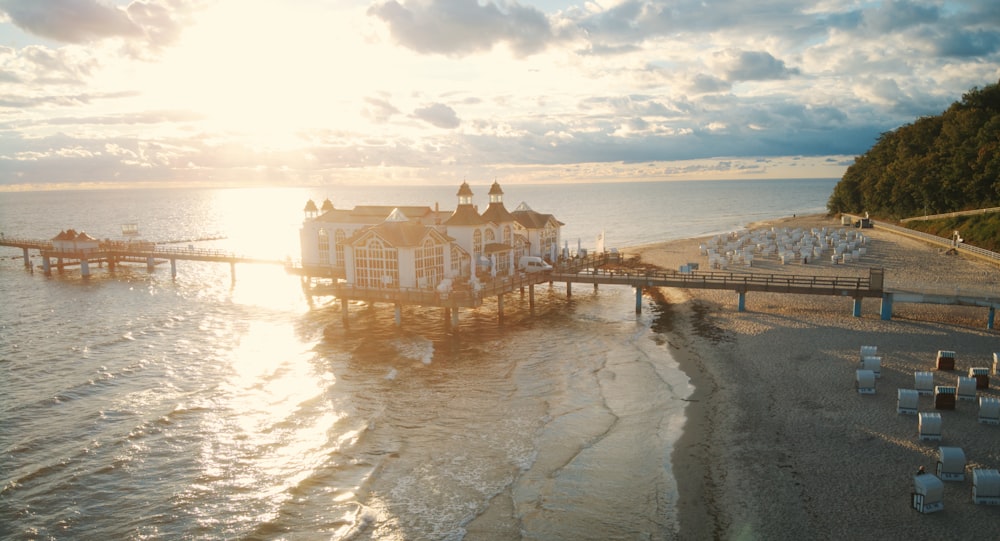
{"x":473,"y":183}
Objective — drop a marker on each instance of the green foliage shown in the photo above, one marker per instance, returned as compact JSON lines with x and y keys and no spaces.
{"x":935,"y":165}
{"x":982,"y":230}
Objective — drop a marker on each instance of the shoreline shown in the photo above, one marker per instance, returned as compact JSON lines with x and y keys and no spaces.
{"x":774,"y":425}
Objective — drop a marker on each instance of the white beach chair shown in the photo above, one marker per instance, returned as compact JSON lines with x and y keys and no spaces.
{"x":929,"y":426}
{"x":986,"y":486}
{"x":966,"y":388}
{"x":868,"y":351}
{"x":951,"y":464}
{"x":924,"y":382}
{"x":872,"y":363}
{"x":928,"y":493}
{"x":907,"y":401}
{"x":864,"y":381}
{"x":989,"y":410}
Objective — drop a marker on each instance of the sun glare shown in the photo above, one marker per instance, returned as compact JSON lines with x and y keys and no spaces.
{"x":258,"y":74}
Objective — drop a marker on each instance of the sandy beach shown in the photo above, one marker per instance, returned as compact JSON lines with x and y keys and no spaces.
{"x":778,"y":442}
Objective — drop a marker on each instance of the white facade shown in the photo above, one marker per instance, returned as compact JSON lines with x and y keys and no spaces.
{"x":419,"y":247}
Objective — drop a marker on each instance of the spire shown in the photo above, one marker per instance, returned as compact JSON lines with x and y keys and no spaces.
{"x":327,"y":205}
{"x":464,"y":194}
{"x":496,"y":193}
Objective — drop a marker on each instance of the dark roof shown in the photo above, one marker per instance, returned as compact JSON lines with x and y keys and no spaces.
{"x":497,"y":213}
{"x":464,"y":189}
{"x":533,"y":220}
{"x":373,"y":214}
{"x":496,"y":247}
{"x":310,"y":206}
{"x":495,"y":189}
{"x":327,"y":205}
{"x":465,"y":215}
{"x":399,"y":234}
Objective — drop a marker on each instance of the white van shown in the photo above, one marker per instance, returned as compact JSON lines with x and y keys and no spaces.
{"x":530,"y":263}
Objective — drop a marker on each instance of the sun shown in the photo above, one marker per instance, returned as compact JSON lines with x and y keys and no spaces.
{"x":266,"y":75}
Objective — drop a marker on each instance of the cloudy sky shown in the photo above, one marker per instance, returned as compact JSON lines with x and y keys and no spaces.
{"x":313,"y":92}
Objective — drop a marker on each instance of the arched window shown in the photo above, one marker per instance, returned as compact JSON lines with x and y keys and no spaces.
{"x":477,"y":243}
{"x":430,"y":264}
{"x":324,"y":247}
{"x":376,"y":265}
{"x":506,"y":235}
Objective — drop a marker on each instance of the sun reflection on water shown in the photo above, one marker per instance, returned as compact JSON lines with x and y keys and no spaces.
{"x":270,"y":428}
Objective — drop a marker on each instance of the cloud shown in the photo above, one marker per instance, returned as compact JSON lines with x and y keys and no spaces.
{"x":144,"y":26}
{"x":379,"y":110}
{"x":438,"y":114}
{"x":740,"y":65}
{"x":458,"y":28}
{"x":71,"y":21}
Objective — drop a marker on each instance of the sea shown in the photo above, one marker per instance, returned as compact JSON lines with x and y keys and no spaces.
{"x":227,"y":404}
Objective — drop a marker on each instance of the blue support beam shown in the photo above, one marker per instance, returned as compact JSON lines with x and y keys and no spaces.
{"x":886,"y":311}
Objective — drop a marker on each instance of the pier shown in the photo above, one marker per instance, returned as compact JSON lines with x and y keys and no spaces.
{"x":596,"y":269}
{"x":114,"y":253}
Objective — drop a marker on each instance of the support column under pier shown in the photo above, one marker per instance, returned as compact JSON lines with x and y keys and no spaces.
{"x":27,"y":258}
{"x":173,"y":268}
{"x":46,"y":265}
{"x":638,"y":299}
{"x":886,"y":311}
{"x":150,"y":264}
{"x":857,"y":307}
{"x":399,"y":314}
{"x":531,"y":299}
{"x":232,"y":271}
{"x":991,"y":317}
{"x":741,"y":305}
{"x":500,"y":309}
{"x":84,"y":267}
{"x":454,"y":319}
{"x":569,"y":289}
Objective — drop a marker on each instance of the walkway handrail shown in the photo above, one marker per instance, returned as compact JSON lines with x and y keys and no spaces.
{"x":992,"y":257}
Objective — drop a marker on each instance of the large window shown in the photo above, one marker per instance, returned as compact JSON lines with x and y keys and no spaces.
{"x":477,"y":243}
{"x":507,"y":235}
{"x":338,"y":242}
{"x":456,"y":261}
{"x":430,"y":264}
{"x":376,"y":265}
{"x":324,"y":247}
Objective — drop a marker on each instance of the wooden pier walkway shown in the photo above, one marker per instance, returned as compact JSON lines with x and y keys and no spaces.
{"x":599,"y":269}
{"x":113,"y":253}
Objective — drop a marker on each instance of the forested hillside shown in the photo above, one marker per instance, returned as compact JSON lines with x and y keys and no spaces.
{"x":937,"y":164}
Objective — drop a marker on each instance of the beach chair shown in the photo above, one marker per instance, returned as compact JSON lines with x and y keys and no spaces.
{"x":985,"y":486}
{"x":924,"y":382}
{"x":864,"y":381}
{"x":951,"y":464}
{"x":928,"y":493}
{"x":989,"y":410}
{"x":929,"y":426}
{"x":907,"y":401}
{"x":966,"y":388}
{"x":944,"y":397}
{"x":945,"y":360}
{"x":982,"y":376}
{"x":872,"y":363}
{"x":868,"y":351}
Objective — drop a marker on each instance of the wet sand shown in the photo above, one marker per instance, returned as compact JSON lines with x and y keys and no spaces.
{"x":778,"y":444}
